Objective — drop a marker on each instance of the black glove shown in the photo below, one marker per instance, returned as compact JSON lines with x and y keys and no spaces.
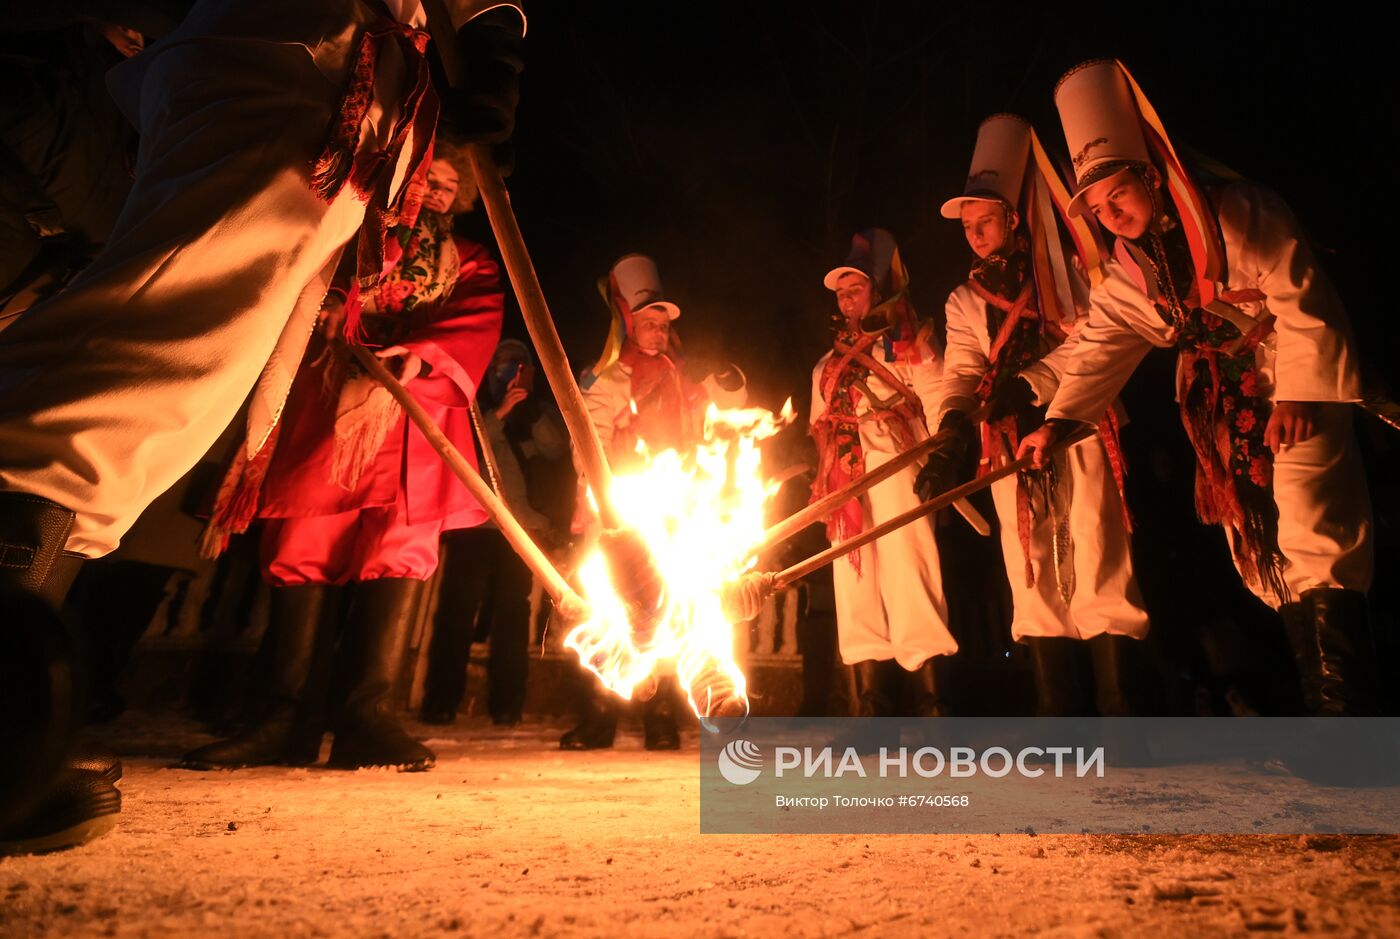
{"x":953,"y":459}
{"x":482,"y":110}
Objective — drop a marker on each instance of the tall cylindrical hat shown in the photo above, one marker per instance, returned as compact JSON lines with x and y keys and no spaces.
{"x":1102,"y":124}
{"x":635,"y":285}
{"x":999,"y":162}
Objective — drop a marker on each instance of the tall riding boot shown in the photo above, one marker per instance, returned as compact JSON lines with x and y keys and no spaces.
{"x":597,"y":725}
{"x":1304,"y":644}
{"x":45,"y":804}
{"x":1345,"y":652}
{"x":929,"y":683}
{"x":816,"y":640}
{"x":294,"y":622}
{"x":1057,"y":691}
{"x":659,"y":730}
{"x":876,"y":688}
{"x":1118,"y":678}
{"x":367,"y":731}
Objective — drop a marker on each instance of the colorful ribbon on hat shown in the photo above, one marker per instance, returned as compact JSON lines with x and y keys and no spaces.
{"x":618,"y":330}
{"x":1087,"y":238}
{"x":1202,"y":231}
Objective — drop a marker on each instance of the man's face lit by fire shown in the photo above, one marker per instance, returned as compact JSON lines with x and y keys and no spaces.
{"x":651,"y":329}
{"x":442,"y":187}
{"x":1122,"y":203}
{"x":987,"y":226}
{"x":854,"y":296}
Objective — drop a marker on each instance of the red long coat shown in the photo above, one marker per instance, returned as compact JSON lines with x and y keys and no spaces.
{"x":457,"y":337}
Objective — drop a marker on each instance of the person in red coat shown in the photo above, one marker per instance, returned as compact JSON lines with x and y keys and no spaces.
{"x":352,"y":494}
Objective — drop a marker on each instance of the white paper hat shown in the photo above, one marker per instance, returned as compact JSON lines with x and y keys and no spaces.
{"x":637,"y":284}
{"x":999,"y":162}
{"x":1103,"y":128}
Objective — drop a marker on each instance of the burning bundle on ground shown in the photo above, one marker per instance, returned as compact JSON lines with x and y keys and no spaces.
{"x":699,"y":515}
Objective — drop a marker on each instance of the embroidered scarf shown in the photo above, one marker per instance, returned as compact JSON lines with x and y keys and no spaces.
{"x":370,"y":174}
{"x":1222,"y":409}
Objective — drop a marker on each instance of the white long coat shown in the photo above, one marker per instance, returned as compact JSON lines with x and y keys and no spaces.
{"x":895,"y":607}
{"x":1319,"y":487}
{"x":1105,"y":596}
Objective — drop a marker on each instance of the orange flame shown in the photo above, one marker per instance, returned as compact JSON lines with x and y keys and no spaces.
{"x":700,"y":514}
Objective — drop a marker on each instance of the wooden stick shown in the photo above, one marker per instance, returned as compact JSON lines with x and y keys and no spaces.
{"x":550,"y":350}
{"x":828,"y":503}
{"x":519,"y":539}
{"x":803,"y":568}
{"x":533,"y":308}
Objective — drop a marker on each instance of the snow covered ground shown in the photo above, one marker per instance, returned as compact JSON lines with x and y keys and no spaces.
{"x":510,"y":836}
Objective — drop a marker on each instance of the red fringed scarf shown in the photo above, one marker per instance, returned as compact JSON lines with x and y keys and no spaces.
{"x":665,"y":403}
{"x":365,"y":411}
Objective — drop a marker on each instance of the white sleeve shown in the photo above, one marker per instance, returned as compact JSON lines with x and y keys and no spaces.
{"x":1106,"y":350}
{"x":1316,"y":354}
{"x":965,"y":363}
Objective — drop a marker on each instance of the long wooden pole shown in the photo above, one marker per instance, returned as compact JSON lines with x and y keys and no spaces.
{"x":519,"y":539}
{"x":803,"y":568}
{"x":533,"y":308}
{"x":545,"y":337}
{"x":824,"y":506}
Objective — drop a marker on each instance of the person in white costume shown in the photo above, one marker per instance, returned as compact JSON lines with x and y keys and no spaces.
{"x":1065,"y":536}
{"x":269,"y":133}
{"x":1267,"y":369}
{"x":637,"y":392}
{"x":873,"y":396}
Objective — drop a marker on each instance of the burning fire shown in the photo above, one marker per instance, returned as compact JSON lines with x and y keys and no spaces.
{"x":700,"y":514}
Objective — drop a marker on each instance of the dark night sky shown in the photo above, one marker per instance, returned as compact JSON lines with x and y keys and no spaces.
{"x":740,"y":145}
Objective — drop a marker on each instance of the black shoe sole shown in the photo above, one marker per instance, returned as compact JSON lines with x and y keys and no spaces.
{"x":70,"y":837}
{"x":72,"y":822}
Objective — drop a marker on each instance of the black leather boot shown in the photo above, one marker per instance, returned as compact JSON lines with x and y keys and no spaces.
{"x":659,"y":730}
{"x":40,"y":807}
{"x":279,"y":737}
{"x":597,"y":726}
{"x":1304,"y":645}
{"x":33,"y":532}
{"x":928,"y":684}
{"x":1344,"y":651}
{"x":876,"y":688}
{"x":1057,"y":691}
{"x":367,"y":729}
{"x":1119,"y":679}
